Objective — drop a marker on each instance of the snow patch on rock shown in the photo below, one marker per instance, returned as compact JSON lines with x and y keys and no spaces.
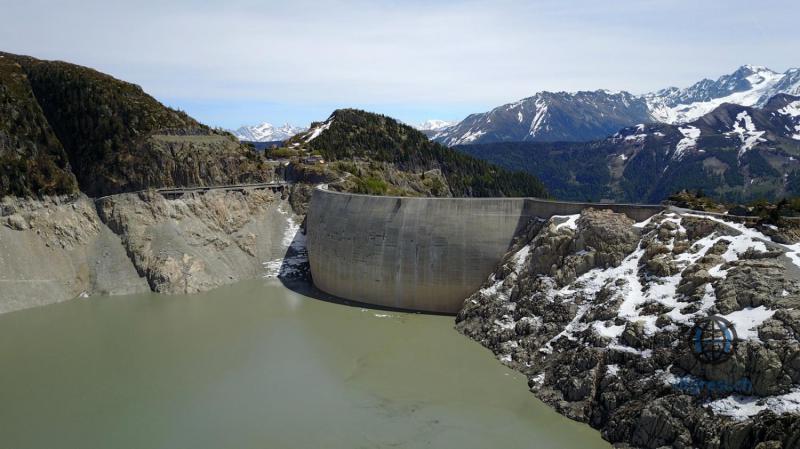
{"x":689,"y":141}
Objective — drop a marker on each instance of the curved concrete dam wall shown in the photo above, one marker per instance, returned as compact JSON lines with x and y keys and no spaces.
{"x":424,"y":254}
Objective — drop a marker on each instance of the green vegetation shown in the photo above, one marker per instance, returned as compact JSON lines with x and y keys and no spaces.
{"x":767,"y":211}
{"x":593,"y":171}
{"x":371,"y":186}
{"x":570,"y":171}
{"x":355,"y":135}
{"x":281,"y":153}
{"x":100,"y":121}
{"x":32,"y":160}
{"x":61,"y":123}
{"x":696,"y":200}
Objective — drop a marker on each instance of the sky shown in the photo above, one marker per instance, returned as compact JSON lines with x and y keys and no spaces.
{"x":236,"y":62}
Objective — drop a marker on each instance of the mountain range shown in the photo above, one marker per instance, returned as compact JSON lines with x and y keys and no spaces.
{"x":737,"y":153}
{"x":589,"y":115}
{"x":266,"y":132}
{"x":431,"y":127}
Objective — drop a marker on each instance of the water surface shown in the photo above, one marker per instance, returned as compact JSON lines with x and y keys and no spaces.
{"x":254,"y":365}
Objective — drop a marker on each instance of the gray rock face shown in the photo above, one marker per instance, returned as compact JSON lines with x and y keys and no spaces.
{"x":197,"y":242}
{"x":60,"y":248}
{"x":597,"y":315}
{"x":56,"y":249}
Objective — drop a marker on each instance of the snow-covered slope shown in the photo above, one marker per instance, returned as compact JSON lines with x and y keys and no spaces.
{"x":747,"y":86}
{"x":434,"y":125}
{"x":266,"y":132}
{"x":597,"y":312}
{"x":551,"y":116}
{"x":582,"y":116}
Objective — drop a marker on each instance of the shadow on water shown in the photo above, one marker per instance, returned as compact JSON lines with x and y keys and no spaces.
{"x":295,"y":275}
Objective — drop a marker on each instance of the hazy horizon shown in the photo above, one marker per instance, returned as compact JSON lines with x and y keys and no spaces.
{"x":243,"y":62}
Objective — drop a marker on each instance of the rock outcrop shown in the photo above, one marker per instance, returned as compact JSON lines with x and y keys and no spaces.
{"x":56,"y":249}
{"x":199,"y":241}
{"x":596,"y":311}
{"x":59,"y":248}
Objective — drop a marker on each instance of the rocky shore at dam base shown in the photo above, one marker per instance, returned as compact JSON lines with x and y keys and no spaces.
{"x":62,"y":247}
{"x":597,"y":311}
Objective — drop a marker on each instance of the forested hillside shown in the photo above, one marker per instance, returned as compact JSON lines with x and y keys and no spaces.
{"x":32,"y":159}
{"x":357,"y":136}
{"x":61,"y":118}
{"x":734,"y":153}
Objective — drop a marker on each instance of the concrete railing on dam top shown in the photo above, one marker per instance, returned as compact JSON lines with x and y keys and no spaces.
{"x":426,"y":254}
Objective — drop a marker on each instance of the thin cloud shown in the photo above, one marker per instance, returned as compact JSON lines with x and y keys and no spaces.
{"x":441,"y":57}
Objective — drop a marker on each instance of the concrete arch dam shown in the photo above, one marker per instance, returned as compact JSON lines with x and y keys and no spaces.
{"x":426,"y":254}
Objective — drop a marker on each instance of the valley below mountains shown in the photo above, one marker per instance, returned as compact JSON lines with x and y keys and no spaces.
{"x":590,"y":115}
{"x":734,"y":153}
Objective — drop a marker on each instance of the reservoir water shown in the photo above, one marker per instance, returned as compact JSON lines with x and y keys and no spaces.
{"x":255,"y":365}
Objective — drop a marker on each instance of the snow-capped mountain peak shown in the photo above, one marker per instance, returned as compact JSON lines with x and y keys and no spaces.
{"x":266,"y":132}
{"x":589,"y":115}
{"x":749,"y":85}
{"x":434,"y":125}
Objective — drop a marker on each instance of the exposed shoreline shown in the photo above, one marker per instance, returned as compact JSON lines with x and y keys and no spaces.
{"x":59,"y":248}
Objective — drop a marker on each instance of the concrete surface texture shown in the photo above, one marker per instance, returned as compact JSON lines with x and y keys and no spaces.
{"x":425,"y":254}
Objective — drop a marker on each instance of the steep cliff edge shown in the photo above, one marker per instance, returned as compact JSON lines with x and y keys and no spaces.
{"x":596,"y":311}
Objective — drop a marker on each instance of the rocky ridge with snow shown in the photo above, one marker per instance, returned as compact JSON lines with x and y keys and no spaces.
{"x":738,"y":153}
{"x":550,"y":116}
{"x":266,"y":132}
{"x":747,"y":86}
{"x":596,"y":311}
{"x":432,"y":127}
{"x":583,"y":116}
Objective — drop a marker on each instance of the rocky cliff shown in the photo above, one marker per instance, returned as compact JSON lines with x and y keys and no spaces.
{"x":59,"y":248}
{"x":596,"y":311}
{"x":198,"y":242}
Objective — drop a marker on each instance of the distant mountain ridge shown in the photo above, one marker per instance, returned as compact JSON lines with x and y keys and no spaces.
{"x":434,"y":125}
{"x":736,"y":153}
{"x":266,"y":132}
{"x":589,"y":115}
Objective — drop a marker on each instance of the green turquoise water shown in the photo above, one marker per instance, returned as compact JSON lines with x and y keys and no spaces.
{"x":254,"y":365}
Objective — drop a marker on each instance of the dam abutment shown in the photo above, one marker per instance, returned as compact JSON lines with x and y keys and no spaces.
{"x":424,"y":254}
